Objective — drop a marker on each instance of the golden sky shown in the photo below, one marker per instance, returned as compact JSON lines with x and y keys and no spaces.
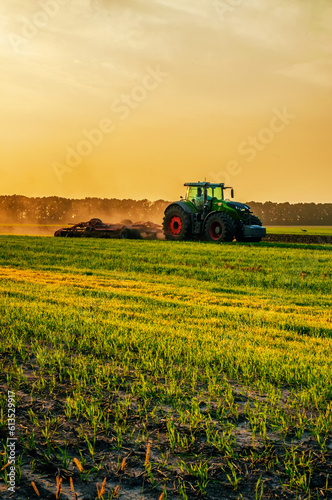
{"x":132,"y":98}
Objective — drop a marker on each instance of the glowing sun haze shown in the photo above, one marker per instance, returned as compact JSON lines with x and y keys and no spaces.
{"x":132,"y":98}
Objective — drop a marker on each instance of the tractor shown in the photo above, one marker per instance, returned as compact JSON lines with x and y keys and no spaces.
{"x":204,"y":213}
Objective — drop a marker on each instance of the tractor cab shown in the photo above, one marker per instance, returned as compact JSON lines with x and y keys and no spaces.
{"x":203,"y":195}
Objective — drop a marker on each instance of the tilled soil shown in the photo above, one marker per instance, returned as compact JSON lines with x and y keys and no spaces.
{"x":298,"y":238}
{"x":253,"y":461}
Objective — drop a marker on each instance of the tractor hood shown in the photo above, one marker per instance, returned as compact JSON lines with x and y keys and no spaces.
{"x":239,"y":207}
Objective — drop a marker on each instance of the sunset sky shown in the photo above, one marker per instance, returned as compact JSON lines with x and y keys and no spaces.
{"x":132,"y":98}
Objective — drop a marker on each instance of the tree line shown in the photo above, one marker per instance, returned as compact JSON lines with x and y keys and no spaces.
{"x":17,"y":209}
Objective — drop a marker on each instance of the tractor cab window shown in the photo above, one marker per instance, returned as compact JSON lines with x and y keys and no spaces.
{"x":195,"y":195}
{"x":209,"y":193}
{"x":215,"y":192}
{"x":191,"y":192}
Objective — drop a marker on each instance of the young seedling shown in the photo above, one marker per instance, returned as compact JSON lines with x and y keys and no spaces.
{"x":232,"y":478}
{"x":259,"y":489}
{"x":182,"y":489}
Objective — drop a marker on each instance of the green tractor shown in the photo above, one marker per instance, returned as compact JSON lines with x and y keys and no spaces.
{"x":205,"y":214}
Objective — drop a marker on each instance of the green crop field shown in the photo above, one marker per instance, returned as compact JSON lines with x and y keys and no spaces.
{"x":160,"y":370}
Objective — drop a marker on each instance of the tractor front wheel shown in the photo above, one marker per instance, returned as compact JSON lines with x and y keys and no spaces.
{"x":219,"y":228}
{"x":176,"y":224}
{"x":255,"y":221}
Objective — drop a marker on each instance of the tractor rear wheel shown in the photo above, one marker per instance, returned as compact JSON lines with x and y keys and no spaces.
{"x":176,"y":224}
{"x":219,"y":228}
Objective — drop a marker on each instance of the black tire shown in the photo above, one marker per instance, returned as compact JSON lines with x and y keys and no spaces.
{"x":126,"y":233}
{"x":255,"y":221}
{"x":219,"y":228}
{"x":177,"y":224}
{"x":135,"y":234}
